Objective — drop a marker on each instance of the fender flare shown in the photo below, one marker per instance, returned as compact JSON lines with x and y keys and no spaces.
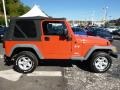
{"x":38,"y":52}
{"x":110,"y":48}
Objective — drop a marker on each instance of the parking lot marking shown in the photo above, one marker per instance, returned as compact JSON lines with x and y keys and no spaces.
{"x":10,"y":75}
{"x":1,"y":56}
{"x":46,"y":73}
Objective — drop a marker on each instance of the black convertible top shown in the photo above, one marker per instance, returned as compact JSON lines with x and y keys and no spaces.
{"x":37,"y":18}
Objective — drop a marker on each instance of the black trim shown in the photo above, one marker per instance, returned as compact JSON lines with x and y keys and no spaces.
{"x":39,"y":31}
{"x":115,"y":55}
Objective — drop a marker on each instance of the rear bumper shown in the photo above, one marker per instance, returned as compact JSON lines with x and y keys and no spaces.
{"x":8,"y":60}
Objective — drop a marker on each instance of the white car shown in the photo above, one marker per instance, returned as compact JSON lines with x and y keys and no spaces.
{"x":111,"y":29}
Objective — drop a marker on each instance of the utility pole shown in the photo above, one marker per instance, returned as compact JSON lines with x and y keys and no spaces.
{"x":4,"y":9}
{"x":105,"y":13}
{"x":92,"y":17}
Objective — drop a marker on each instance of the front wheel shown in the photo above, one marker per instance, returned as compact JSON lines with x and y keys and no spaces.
{"x":25,"y":62}
{"x":100,"y":62}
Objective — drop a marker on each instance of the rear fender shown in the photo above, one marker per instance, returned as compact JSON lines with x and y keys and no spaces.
{"x":37,"y":51}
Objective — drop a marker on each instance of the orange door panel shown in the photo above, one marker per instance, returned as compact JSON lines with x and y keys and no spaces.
{"x":56,"y":47}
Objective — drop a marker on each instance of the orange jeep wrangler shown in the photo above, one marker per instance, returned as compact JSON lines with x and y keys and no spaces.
{"x":30,"y":39}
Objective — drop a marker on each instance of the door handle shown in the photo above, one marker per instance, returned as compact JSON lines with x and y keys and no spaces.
{"x":47,"y":38}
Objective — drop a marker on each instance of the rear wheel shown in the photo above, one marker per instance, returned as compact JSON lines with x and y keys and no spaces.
{"x":25,"y":62}
{"x":100,"y":62}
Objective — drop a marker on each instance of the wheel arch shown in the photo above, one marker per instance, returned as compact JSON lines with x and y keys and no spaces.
{"x":25,"y":47}
{"x":97,"y":49}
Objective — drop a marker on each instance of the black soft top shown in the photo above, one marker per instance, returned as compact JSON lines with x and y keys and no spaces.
{"x":37,"y":18}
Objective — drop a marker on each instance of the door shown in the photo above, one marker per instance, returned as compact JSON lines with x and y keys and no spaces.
{"x":55,"y":45}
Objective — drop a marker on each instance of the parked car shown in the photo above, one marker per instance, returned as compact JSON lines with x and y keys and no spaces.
{"x":101,"y":32}
{"x":79,"y":31}
{"x":2,"y":31}
{"x":117,"y":32}
{"x":112,"y":28}
{"x":31,"y":40}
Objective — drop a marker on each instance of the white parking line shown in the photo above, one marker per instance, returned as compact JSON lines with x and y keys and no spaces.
{"x":10,"y":75}
{"x":15,"y":76}
{"x":46,"y":73}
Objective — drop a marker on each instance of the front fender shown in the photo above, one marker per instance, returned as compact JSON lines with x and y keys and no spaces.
{"x":111,"y":48}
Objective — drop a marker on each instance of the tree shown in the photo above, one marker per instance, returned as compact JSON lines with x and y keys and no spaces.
{"x":13,"y":8}
{"x":22,"y":9}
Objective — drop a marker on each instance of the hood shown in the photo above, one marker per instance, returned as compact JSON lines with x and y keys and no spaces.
{"x":92,"y":40}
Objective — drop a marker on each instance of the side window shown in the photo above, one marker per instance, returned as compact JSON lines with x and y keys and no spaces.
{"x":25,"y":29}
{"x":53,"y":28}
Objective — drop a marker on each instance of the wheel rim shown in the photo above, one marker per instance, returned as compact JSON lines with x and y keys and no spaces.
{"x":101,"y":63}
{"x":25,"y":63}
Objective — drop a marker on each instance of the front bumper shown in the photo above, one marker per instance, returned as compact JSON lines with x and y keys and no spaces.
{"x":115,"y":55}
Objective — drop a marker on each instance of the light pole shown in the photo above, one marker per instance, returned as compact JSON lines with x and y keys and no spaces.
{"x":105,"y":13}
{"x":92,"y":17}
{"x":4,"y":9}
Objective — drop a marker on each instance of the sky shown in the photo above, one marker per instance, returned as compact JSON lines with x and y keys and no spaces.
{"x":78,"y":9}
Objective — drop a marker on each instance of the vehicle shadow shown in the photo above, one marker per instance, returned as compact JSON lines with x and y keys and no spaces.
{"x":61,"y":63}
{"x":65,"y":63}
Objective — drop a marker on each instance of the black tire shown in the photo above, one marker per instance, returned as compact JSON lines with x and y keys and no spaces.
{"x":95,"y":59}
{"x":25,"y":57}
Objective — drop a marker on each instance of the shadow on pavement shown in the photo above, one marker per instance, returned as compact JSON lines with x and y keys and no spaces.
{"x":82,"y":65}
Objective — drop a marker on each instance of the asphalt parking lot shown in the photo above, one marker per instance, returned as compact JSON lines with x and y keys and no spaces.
{"x":60,"y":76}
